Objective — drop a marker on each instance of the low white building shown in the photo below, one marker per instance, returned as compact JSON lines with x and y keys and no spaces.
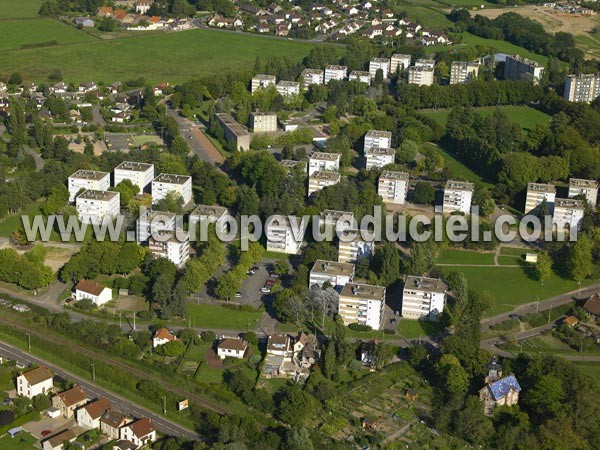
{"x":363,"y":304}
{"x":232,"y":348}
{"x":585,"y":188}
{"x":423,"y":297}
{"x":311,"y":76}
{"x":288,"y":88}
{"x":379,"y":157}
{"x":279,"y":345}
{"x":209,"y":214}
{"x":280,"y":235}
{"x":399,"y":62}
{"x":173,"y":246}
{"x":97,"y":293}
{"x":152,"y":222}
{"x":93,"y":206}
{"x":140,"y":433}
{"x":337,"y":274}
{"x":165,"y":183}
{"x":359,"y":75}
{"x":458,"y":196}
{"x":87,"y":179}
{"x":261,"y":81}
{"x":333,"y":72}
{"x":568,"y":214}
{"x":538,"y":193}
{"x":140,"y":174}
{"x":377,"y":138}
{"x":162,"y":336}
{"x":353,"y":250}
{"x":323,"y":161}
{"x":263,"y":122}
{"x":393,"y":187}
{"x":382,"y":64}
{"x":35,"y":382}
{"x":322,"y":179}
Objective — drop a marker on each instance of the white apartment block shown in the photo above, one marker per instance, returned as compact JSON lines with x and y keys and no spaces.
{"x":335,"y":73}
{"x":582,"y":88}
{"x":352,"y":251}
{"x":457,"y":197}
{"x":140,"y":174}
{"x":379,"y":157}
{"x":95,"y":206}
{"x":420,"y":75}
{"x":173,"y":246}
{"x":288,"y":88}
{"x":536,"y":194}
{"x":87,"y":179}
{"x":462,"y":72}
{"x":568,"y":214}
{"x":423,"y":297}
{"x":261,"y":81}
{"x":393,"y":187}
{"x":424,"y":62}
{"x":319,"y":180}
{"x":311,"y":76}
{"x":281,"y":237}
{"x":359,"y":75}
{"x":165,"y":183}
{"x":210,"y":214}
{"x":332,"y":218}
{"x":152,"y":222}
{"x":323,"y":161}
{"x":585,"y":188}
{"x":335,"y":273}
{"x":379,"y":63}
{"x":399,"y":62}
{"x":263,"y":122}
{"x":363,"y":304}
{"x":518,"y":68}
{"x":376,"y":138}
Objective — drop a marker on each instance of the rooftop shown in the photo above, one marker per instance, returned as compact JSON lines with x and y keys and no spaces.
{"x":163,"y":333}
{"x":378,"y":134}
{"x":420,"y":69}
{"x":363,"y":291}
{"x":332,"y":268}
{"x":313,"y":71}
{"x":524,"y":60}
{"x":425,"y":284}
{"x":335,"y":67}
{"x":286,"y":83}
{"x":263,"y":114}
{"x":459,"y":186}
{"x":391,"y":175}
{"x":399,"y":56}
{"x":89,"y":174}
{"x":380,"y":151}
{"x":232,"y":124}
{"x":502,"y":387}
{"x":581,"y":183}
{"x":37,"y":375}
{"x":464,"y":64}
{"x":142,"y":427}
{"x":92,"y":194}
{"x":326,"y":175}
{"x":264,"y":77}
{"x":569,"y":203}
{"x":233,"y":344}
{"x":278,"y":342}
{"x":288,"y":163}
{"x":360,"y":73}
{"x":541,"y":187}
{"x":380,"y":60}
{"x":172,"y":178}
{"x":592,"y":305}
{"x":150,"y":215}
{"x":322,"y":156}
{"x":209,"y":210}
{"x":331,"y":214}
{"x":425,"y":62}
{"x":59,"y":438}
{"x":134,"y":166}
{"x":97,"y":408}
{"x":73,"y":396}
{"x":89,"y":286}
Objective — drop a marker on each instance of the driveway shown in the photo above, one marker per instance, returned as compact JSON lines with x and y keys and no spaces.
{"x":54,"y":425}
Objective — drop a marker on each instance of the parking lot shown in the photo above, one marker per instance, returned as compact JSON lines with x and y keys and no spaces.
{"x":251,"y":286}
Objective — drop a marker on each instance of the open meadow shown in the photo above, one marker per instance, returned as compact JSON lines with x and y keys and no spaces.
{"x":18,"y":9}
{"x":17,"y":34}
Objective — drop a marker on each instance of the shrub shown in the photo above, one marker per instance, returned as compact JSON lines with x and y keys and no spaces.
{"x":359,"y":327}
{"x":507,"y":325}
{"x":208,"y":336}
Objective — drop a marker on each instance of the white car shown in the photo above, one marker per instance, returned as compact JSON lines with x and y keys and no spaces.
{"x":238,"y":295}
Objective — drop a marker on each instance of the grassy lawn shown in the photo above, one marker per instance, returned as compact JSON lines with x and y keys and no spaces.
{"x":217,"y":317}
{"x":513,"y":251}
{"x":412,"y":329}
{"x":549,"y":344}
{"x":24,"y":441}
{"x":204,"y":51}
{"x":465,"y":257}
{"x":11,"y":9}
{"x":11,"y":223}
{"x":509,"y":260}
{"x":457,"y":168}
{"x":429,"y":16}
{"x":470,"y":40}
{"x":37,"y":31}
{"x":593,"y":370}
{"x":142,"y":139}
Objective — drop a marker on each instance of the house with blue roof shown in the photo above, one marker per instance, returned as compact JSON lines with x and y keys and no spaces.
{"x":498,"y":391}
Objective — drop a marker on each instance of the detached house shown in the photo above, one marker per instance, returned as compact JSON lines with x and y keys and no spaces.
{"x":35,"y":382}
{"x":140,"y":433}
{"x":232,"y":348}
{"x":111,"y":422}
{"x":68,"y":401}
{"x":498,"y":391}
{"x":162,"y":336}
{"x":89,"y":416}
{"x":57,"y":441}
{"x":98,"y":294}
{"x":592,"y":307}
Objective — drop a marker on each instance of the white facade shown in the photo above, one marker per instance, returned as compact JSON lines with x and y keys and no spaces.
{"x":209,"y":214}
{"x":423,"y":297}
{"x":379,"y":157}
{"x":582,"y":88}
{"x":263,"y":122}
{"x":89,"y":416}
{"x":140,"y":174}
{"x":311,"y":76}
{"x":87,"y":179}
{"x":420,"y":75}
{"x":35,"y":382}
{"x":399,"y":62}
{"x":586,"y":188}
{"x":322,"y":179}
{"x":232,"y":348}
{"x":288,"y":88}
{"x":379,"y":63}
{"x":261,"y":81}
{"x":173,"y":246}
{"x":363,"y":304}
{"x":377,"y":138}
{"x":462,"y":72}
{"x":393,"y":187}
{"x":351,"y":251}
{"x":323,"y":161}
{"x":93,"y":291}
{"x":337,"y":274}
{"x":568,"y":214}
{"x":95,"y":206}
{"x":457,"y":197}
{"x":140,"y":433}
{"x":165,"y":183}
{"x":359,"y":75}
{"x":335,"y":73}
{"x":280,"y":235}
{"x":536,"y":194}
{"x":518,"y":68}
{"x":152,"y":222}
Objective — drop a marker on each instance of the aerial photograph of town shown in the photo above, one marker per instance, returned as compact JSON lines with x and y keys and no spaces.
{"x":299,"y":225}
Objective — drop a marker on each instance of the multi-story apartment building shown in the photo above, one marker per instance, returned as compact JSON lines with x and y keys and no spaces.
{"x":234,"y":132}
{"x":420,"y":75}
{"x":537,"y":193}
{"x":321,"y":179}
{"x":568,"y":214}
{"x":152,"y":222}
{"x":462,"y":72}
{"x":261,"y":81}
{"x":582,"y":88}
{"x":165,"y":183}
{"x":359,"y":75}
{"x":311,"y":76}
{"x":288,"y":88}
{"x":352,"y":251}
{"x":140,"y":174}
{"x":379,"y":157}
{"x":379,"y":63}
{"x":457,"y":197}
{"x":172,"y":246}
{"x":211,"y":214}
{"x":281,"y":237}
{"x":333,"y":72}
{"x":323,"y":161}
{"x":335,"y":273}
{"x":519,"y":68}
{"x":393,"y":187}
{"x":95,"y":206}
{"x":87,"y":179}
{"x":585,"y":188}
{"x":377,"y":138}
{"x":423,"y":297}
{"x":263,"y":122}
{"x":399,"y":62}
{"x":425,"y":62}
{"x":331,"y":218}
{"x":363,"y":304}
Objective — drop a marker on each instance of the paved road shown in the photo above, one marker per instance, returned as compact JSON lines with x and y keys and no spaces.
{"x":93,"y":390}
{"x":199,"y":144}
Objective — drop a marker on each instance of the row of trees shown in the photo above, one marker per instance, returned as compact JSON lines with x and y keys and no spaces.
{"x":27,"y":270}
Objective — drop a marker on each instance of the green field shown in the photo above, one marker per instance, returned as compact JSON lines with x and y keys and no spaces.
{"x":514,"y":251}
{"x":412,"y":329}
{"x":142,"y":139}
{"x":593,"y":370}
{"x":465,"y":257}
{"x":24,"y":441}
{"x":175,"y":57}
{"x":16,"y":33}
{"x":11,"y":223}
{"x":217,"y":317}
{"x":470,"y":40}
{"x":11,"y":9}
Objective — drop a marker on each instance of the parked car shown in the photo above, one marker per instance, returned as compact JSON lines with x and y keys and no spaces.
{"x":45,"y":433}
{"x":238,"y":295}
{"x":251,"y":272}
{"x":270,"y":283}
{"x":265,"y":289}
{"x":273,"y":275}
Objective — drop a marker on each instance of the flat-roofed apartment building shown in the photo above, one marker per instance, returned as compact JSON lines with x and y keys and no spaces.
{"x":311,"y":76}
{"x":379,"y":157}
{"x":234,"y":132}
{"x":262,"y":81}
{"x":360,"y":75}
{"x":519,"y":68}
{"x":323,"y":161}
{"x":399,"y":62}
{"x":94,"y":206}
{"x":332,"y":218}
{"x":568,"y":214}
{"x":462,"y":72}
{"x":140,"y":174}
{"x":584,"y":88}
{"x":263,"y":122}
{"x":393,"y":187}
{"x":423,"y":297}
{"x":165,"y":183}
{"x":379,"y":63}
{"x":333,"y":72}
{"x":585,"y":188}
{"x":335,"y":273}
{"x":377,"y":138}
{"x":537,"y":193}
{"x":173,"y":246}
{"x":420,"y":75}
{"x":288,"y":88}
{"x":152,"y":222}
{"x":363,"y":304}
{"x":321,"y":179}
{"x":211,"y":214}
{"x":458,"y":196}
{"x":87,"y":179}
{"x":281,"y":237}
{"x":355,"y":249}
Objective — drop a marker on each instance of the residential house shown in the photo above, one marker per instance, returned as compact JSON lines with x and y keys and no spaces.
{"x":592,"y":307}
{"x":142,"y":6}
{"x":89,"y":416}
{"x":141,"y":432}
{"x":68,"y":401}
{"x":232,"y":348}
{"x":104,"y":11}
{"x":97,"y":293}
{"x":35,"y":382}
{"x":498,"y":391}
{"x":162,"y":336}
{"x":111,"y":422}
{"x":56,"y":442}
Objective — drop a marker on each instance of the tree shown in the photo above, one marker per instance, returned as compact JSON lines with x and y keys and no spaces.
{"x":15,"y":79}
{"x":298,"y":439}
{"x":171,"y":349}
{"x":543,"y":267}
{"x":407,"y":151}
{"x":293,"y":405}
{"x":107,"y":24}
{"x":386,"y":264}
{"x":424,"y":193}
{"x":580,"y":259}
{"x":41,"y":402}
{"x":453,"y":377}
